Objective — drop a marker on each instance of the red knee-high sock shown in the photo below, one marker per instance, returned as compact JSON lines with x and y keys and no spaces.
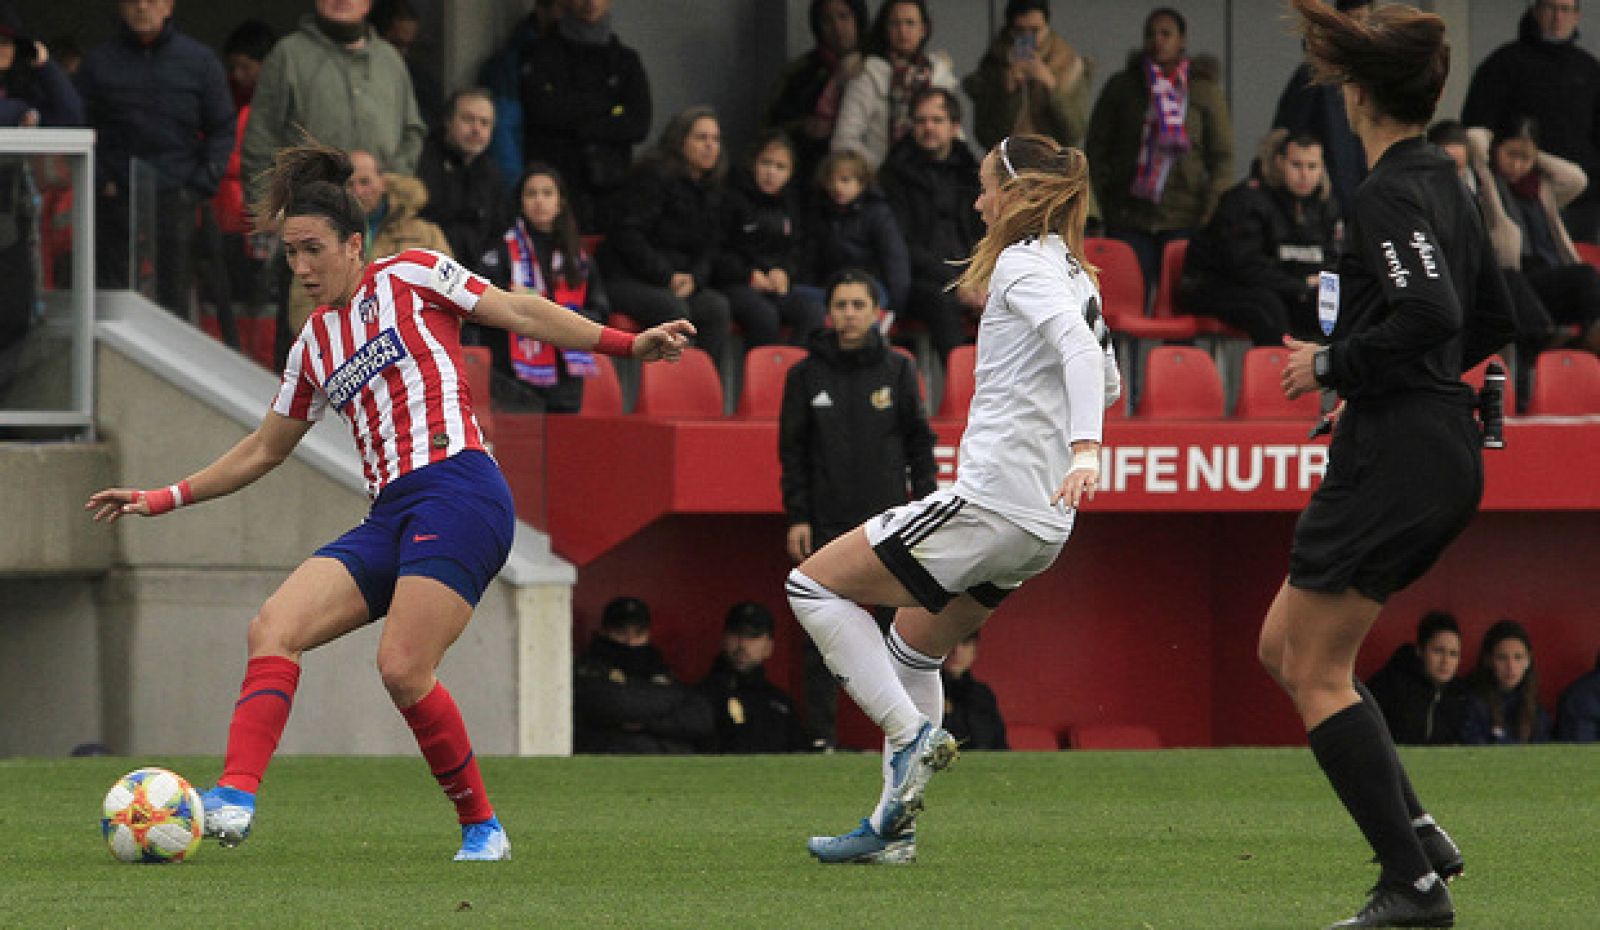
{"x":442,"y":735}
{"x":258,"y":720}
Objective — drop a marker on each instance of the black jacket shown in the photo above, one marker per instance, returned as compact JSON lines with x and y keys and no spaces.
{"x":972,"y":715}
{"x":167,"y":104}
{"x":759,"y":232}
{"x":851,"y":435}
{"x":1421,"y":297}
{"x":466,"y":200}
{"x":665,"y":223}
{"x":584,"y":108}
{"x":862,"y":234}
{"x":1319,"y":110}
{"x":1418,"y":711}
{"x":625,"y":700}
{"x":932,"y":202}
{"x":1255,"y":239}
{"x":752,"y":714}
{"x":1557,"y":84}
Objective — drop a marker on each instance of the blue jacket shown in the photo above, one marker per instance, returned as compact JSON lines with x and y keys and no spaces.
{"x":167,"y":104}
{"x":1578,"y":719}
{"x":45,"y":88}
{"x":1478,"y":728}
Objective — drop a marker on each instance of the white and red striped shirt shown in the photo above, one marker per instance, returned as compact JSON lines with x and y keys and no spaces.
{"x":389,"y":362}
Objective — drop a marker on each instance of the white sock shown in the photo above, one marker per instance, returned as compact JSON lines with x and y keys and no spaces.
{"x":919,"y":675}
{"x":850,"y":643}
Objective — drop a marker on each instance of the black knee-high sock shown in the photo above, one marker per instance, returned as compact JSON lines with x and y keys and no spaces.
{"x":1350,"y":748}
{"x":1413,"y":806}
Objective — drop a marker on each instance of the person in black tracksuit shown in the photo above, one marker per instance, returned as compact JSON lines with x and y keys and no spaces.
{"x":1419,"y":299}
{"x":625,"y":699}
{"x":1254,"y":265}
{"x":1423,"y":701}
{"x":752,"y":714}
{"x":853,"y":440}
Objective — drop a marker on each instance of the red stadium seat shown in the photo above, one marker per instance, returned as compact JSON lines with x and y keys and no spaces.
{"x":1566,"y":382}
{"x":1166,"y":303}
{"x":765,"y":368}
{"x":958,"y":382}
{"x":1114,"y":736}
{"x":1180,"y":383}
{"x":477,"y":362}
{"x":1031,"y":737}
{"x":1123,"y":294}
{"x":602,"y":394}
{"x":1261,"y":389}
{"x":1475,"y":378}
{"x":1588,"y":253}
{"x":922,"y":385}
{"x":688,"y":389}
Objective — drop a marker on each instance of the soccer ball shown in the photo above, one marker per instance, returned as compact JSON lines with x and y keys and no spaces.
{"x":152,"y":815}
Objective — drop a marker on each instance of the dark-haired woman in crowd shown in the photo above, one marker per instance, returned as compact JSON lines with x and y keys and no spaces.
{"x":1416,"y":300}
{"x":1504,"y":707}
{"x":1422,"y":700}
{"x":876,"y":110}
{"x":383,"y":349}
{"x":807,"y":103}
{"x":541,"y":253}
{"x":761,"y":247}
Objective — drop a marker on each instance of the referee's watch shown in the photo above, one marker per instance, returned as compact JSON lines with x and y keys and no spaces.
{"x":1322,"y":366}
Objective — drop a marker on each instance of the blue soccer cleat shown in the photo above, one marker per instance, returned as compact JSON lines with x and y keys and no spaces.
{"x":484,"y":841}
{"x":864,"y":845}
{"x":229,"y":813}
{"x":913,"y":766}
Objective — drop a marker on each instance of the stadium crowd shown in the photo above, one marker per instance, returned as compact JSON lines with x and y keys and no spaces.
{"x":542,"y":178}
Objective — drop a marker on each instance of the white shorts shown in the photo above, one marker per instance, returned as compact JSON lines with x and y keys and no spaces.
{"x":943,"y":546}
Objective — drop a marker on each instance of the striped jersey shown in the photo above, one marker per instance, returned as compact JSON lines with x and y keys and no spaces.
{"x":389,"y":363}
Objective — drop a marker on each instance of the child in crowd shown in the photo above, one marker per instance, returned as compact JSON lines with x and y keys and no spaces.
{"x":854,"y":227}
{"x":762,"y":249}
{"x":541,"y":253}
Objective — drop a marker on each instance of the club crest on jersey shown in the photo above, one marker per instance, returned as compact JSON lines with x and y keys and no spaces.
{"x":882,"y":398}
{"x":367,"y":363}
{"x":446,"y":275}
{"x":368,"y":309}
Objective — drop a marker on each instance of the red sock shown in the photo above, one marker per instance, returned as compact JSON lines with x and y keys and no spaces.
{"x":258,"y":720}
{"x":442,"y":735}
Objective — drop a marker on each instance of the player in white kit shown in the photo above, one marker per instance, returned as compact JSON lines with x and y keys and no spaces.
{"x":1030,"y":455}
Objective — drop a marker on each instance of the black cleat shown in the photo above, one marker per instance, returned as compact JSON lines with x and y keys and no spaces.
{"x":1404,"y":907}
{"x":1443,"y":854}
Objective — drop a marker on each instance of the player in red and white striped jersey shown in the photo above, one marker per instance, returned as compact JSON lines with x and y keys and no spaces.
{"x":383,"y":350}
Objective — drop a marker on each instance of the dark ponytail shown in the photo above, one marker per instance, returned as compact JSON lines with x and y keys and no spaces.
{"x":309,"y":180}
{"x":1397,"y":54}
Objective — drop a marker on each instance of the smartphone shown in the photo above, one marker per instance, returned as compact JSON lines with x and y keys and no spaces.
{"x":1024,"y":46}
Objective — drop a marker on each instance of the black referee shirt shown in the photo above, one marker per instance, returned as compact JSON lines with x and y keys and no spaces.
{"x":1421,"y":298}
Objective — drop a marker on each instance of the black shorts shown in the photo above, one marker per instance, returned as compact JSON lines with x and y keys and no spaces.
{"x":1404,"y":479}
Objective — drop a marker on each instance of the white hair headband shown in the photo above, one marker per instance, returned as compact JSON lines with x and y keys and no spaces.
{"x":1005,"y":159}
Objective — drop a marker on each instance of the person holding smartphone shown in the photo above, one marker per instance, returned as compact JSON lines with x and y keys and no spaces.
{"x":1030,"y":80}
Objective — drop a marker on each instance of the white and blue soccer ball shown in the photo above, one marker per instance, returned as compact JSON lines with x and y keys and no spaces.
{"x":152,"y":815}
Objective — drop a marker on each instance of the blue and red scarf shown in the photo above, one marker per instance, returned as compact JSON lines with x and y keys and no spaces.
{"x":534,"y":361}
{"x":1165,"y":139}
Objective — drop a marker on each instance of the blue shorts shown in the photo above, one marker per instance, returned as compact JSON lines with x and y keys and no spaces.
{"x":451,"y":521}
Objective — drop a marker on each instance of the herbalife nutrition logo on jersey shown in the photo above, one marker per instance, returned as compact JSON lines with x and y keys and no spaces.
{"x":384,"y":350}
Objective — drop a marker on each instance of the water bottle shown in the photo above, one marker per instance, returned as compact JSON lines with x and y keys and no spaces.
{"x":1491,"y":406}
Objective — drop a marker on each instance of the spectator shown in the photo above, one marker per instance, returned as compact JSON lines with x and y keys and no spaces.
{"x":541,"y":253}
{"x":1522,"y":191}
{"x":1417,"y":689}
{"x":875,"y":111}
{"x":625,"y":699}
{"x":1450,"y":136}
{"x":156,"y":95}
{"x":931,"y":181}
{"x":1255,"y":265}
{"x":853,"y":440}
{"x":1503,"y":708}
{"x":546,"y":15}
{"x":1030,"y":80}
{"x":1545,"y":74}
{"x":1578,"y":717}
{"x":752,"y":714}
{"x":393,"y":204}
{"x":586,"y":104}
{"x":464,"y":188}
{"x":851,"y":225}
{"x":1318,"y":109}
{"x":34,"y":91}
{"x":761,"y":249}
{"x":971,"y":713}
{"x":343,"y":85}
{"x":1161,"y":142}
{"x":68,"y":54}
{"x":398,"y":23}
{"x":501,"y":77}
{"x":807,"y":104}
{"x":660,"y":255}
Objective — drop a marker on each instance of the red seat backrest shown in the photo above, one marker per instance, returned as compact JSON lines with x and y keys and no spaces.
{"x":1121,"y":282}
{"x":959,"y":381}
{"x":1261,"y":389}
{"x":765,"y":369}
{"x":1566,"y":382}
{"x":1031,"y":737}
{"x":687,"y":389}
{"x":602,"y":394}
{"x":1114,"y":736}
{"x":1181,"y":383}
{"x":1172,"y":257}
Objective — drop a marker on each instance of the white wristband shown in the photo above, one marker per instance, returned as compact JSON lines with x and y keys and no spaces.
{"x":1086,"y":461}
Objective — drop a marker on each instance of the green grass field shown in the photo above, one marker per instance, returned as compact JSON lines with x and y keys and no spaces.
{"x":1177,"y":839}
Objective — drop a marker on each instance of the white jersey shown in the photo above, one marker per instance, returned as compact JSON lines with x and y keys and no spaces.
{"x":1040,"y":385}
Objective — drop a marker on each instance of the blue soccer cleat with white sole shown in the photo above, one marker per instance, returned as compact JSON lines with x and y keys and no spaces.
{"x":229,"y":812}
{"x":485,"y":841}
{"x":912,"y":767}
{"x":864,"y":845}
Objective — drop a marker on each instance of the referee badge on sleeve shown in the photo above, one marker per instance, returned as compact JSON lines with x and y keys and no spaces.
{"x":1327,"y":301}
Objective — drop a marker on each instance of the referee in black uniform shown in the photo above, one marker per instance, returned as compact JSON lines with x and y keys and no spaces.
{"x":1417,"y":299}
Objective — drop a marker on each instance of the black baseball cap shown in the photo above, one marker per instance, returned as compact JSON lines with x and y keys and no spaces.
{"x":625,"y":613}
{"x":747,"y":618}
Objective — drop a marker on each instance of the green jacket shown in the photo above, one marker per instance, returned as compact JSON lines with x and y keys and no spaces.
{"x":1199,"y":178}
{"x":351,"y":99}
